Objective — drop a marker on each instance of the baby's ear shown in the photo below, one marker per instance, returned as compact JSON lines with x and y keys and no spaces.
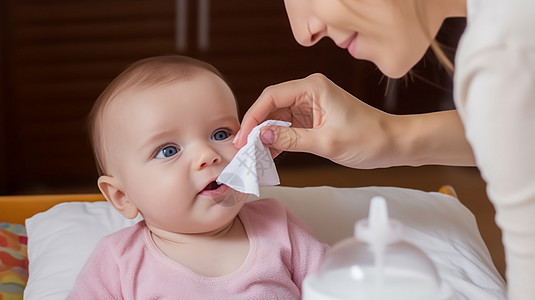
{"x":112,"y":190}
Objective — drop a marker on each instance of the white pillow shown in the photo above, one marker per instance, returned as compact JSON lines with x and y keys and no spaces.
{"x":61,"y":239}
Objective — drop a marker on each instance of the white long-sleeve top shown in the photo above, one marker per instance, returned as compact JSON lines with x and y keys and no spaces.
{"x":495,"y":97}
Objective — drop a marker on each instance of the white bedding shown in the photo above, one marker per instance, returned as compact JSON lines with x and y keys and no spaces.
{"x":61,"y":239}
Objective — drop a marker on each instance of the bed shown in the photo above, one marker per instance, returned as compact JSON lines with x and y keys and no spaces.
{"x":49,"y":237}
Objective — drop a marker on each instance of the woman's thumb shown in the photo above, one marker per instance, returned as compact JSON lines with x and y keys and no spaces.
{"x":286,"y":138}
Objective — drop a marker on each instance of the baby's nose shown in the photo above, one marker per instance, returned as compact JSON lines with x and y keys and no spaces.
{"x":207,"y":156}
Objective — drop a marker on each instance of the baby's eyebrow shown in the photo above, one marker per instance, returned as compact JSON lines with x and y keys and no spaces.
{"x":156,"y":139}
{"x":228,"y":120}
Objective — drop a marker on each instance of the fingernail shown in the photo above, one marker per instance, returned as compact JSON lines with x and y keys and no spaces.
{"x":267,"y":136}
{"x":236,"y":137}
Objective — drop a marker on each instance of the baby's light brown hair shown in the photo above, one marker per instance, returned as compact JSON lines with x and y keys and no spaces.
{"x":145,"y":73}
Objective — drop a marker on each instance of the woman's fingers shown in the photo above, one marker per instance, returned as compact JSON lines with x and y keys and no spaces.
{"x":272,"y":102}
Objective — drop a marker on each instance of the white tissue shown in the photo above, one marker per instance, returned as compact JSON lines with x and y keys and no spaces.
{"x":253,"y":166}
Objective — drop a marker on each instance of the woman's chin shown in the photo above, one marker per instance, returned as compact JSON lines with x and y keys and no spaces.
{"x":394,"y":71}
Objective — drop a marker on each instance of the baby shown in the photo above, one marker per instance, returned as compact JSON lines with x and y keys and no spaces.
{"x":162,"y":132}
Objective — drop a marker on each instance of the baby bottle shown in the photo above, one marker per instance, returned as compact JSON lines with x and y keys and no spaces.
{"x":375,"y":264}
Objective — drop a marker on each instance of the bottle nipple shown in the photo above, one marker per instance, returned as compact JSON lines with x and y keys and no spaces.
{"x":378,"y":231}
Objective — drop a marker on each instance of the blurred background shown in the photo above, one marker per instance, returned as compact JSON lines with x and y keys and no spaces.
{"x":56,"y":56}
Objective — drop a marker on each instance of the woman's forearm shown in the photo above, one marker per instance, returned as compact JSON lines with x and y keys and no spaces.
{"x":436,"y":138}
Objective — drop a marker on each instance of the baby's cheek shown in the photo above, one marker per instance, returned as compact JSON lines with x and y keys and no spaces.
{"x":231,"y":152}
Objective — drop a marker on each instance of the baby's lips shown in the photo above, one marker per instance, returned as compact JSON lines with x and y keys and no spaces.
{"x":221,"y":189}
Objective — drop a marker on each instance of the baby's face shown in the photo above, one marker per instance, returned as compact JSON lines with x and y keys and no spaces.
{"x":167,"y":145}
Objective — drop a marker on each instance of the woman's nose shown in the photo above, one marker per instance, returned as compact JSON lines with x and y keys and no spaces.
{"x":205,"y":157}
{"x":309,"y":31}
{"x":316,"y":31}
{"x":306,"y":27}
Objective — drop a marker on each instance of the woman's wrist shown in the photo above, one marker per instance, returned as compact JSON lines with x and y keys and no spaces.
{"x":402,"y":146}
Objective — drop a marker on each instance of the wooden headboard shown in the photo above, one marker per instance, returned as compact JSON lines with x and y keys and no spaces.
{"x":16,"y":209}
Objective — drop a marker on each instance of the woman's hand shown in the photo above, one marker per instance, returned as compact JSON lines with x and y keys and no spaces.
{"x":329,"y":122}
{"x":326,"y":121}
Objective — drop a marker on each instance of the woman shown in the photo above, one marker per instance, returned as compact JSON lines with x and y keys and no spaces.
{"x":493,"y":126}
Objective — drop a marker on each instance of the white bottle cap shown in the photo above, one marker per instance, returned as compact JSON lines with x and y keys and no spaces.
{"x":377,"y":263}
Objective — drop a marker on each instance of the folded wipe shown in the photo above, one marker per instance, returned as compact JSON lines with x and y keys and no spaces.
{"x":253,"y":166}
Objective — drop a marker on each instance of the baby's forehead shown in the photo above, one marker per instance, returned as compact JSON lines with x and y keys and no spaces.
{"x":131,"y":98}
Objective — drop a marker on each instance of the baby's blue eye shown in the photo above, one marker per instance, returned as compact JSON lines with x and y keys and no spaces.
{"x":167,"y":151}
{"x":220,"y":135}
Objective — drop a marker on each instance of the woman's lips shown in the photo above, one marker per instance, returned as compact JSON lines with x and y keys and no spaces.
{"x":352,"y":47}
{"x":346,"y":43}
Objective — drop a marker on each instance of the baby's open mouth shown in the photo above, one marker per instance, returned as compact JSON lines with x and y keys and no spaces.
{"x":212,"y":186}
{"x":214,"y":189}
